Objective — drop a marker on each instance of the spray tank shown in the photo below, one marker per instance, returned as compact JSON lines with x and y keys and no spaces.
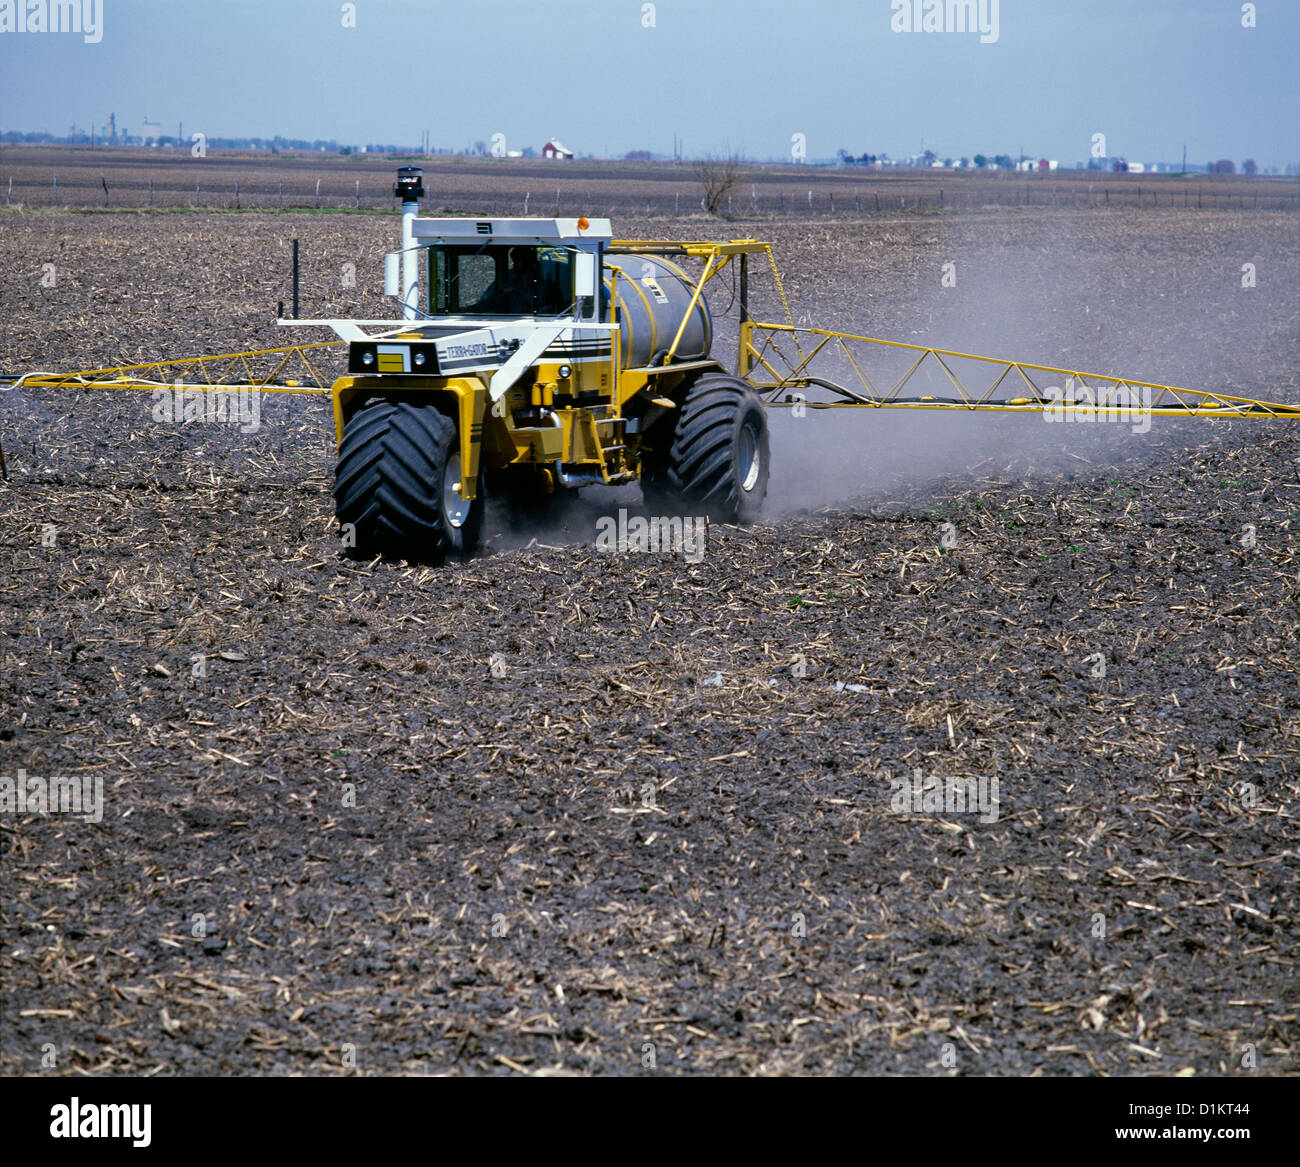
{"x":651,"y":297}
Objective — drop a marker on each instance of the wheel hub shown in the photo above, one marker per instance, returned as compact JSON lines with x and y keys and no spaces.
{"x":749,"y":458}
{"x":455,"y":507}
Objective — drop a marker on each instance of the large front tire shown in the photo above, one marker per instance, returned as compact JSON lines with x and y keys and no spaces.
{"x":397,"y":484}
{"x":715,"y":458}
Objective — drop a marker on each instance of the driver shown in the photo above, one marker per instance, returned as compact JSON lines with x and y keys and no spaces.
{"x":523,"y":290}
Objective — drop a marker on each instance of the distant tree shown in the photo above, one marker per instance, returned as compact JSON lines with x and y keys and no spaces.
{"x":528,"y":152}
{"x":1223,"y":166}
{"x":637,"y":156}
{"x":480,"y":147}
{"x":1119,"y":166}
{"x":718,"y":177}
{"x":965,"y":163}
{"x":1003,"y":162}
{"x":928,"y":158}
{"x":981,"y":161}
{"x":1249,"y":167}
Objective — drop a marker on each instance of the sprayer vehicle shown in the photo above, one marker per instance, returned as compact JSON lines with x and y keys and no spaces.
{"x":536,"y":356}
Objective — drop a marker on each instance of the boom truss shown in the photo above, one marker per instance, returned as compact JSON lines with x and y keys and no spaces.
{"x":1008,"y":386}
{"x":274,"y":370}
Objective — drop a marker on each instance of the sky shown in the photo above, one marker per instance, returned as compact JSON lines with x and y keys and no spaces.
{"x":723,"y":76}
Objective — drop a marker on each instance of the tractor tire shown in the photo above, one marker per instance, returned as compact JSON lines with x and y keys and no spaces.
{"x":396,"y":485}
{"x":715,"y":458}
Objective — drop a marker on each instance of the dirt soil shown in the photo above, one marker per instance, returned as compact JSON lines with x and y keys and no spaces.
{"x":559,"y":811}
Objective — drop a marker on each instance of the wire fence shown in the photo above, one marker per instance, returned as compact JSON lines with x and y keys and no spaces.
{"x":80,"y":191}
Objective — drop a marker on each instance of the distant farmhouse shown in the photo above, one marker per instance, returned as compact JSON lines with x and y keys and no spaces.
{"x":554,"y":149}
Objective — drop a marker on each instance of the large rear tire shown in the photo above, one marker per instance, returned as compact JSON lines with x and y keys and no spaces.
{"x":396,"y":485}
{"x":715,"y":458}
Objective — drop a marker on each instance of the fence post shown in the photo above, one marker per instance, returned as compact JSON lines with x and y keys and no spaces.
{"x":55,"y":177}
{"x":677,"y":203}
{"x":236,"y":194}
{"x":359,"y":194}
{"x":10,"y":191}
{"x":318,"y":194}
{"x":196,"y":192}
{"x":527,"y":194}
{"x":876,"y":195}
{"x":282,"y":194}
{"x":104,"y":182}
{"x":151,"y":190}
{"x":295,"y":279}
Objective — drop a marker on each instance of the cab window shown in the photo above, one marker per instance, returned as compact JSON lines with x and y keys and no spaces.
{"x":519,"y":280}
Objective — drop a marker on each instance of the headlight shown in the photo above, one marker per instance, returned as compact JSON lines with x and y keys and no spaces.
{"x":564,"y":370}
{"x":367,"y":359}
{"x":418,"y":359}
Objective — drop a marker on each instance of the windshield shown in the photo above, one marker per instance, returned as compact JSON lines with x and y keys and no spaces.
{"x":524,"y":280}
